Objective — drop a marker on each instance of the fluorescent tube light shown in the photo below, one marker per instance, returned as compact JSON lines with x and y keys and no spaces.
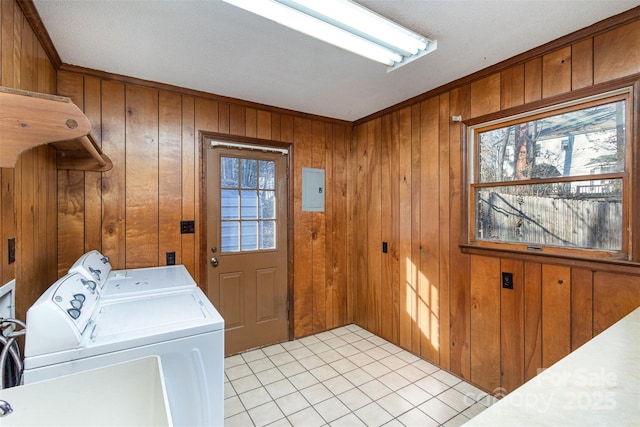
{"x":347,"y":25}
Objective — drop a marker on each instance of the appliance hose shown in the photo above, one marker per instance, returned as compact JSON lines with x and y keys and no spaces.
{"x":10,"y":375}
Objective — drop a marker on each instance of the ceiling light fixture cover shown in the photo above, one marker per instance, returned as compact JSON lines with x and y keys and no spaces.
{"x":347,"y":25}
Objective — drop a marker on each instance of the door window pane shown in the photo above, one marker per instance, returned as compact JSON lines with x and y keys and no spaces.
{"x":249,"y":235}
{"x":230,"y":236}
{"x":249,"y":203}
{"x":228,"y":172}
{"x":230,"y":204}
{"x":267,"y":234}
{"x":249,"y":173}
{"x":267,"y":204}
{"x":267,"y":175}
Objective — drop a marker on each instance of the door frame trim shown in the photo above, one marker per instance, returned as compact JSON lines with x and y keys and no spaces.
{"x":203,"y":137}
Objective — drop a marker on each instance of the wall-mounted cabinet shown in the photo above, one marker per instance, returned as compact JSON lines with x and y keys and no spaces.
{"x":29,"y":119}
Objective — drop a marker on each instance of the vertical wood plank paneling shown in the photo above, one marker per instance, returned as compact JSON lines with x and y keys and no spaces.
{"x":485,"y":322}
{"x":27,"y":66}
{"x":351,"y":237}
{"x":25,"y":220}
{"x":50,"y":211}
{"x":251,"y":122}
{"x":330,"y":223}
{"x":38,"y":197}
{"x":404,"y":201}
{"x":275,"y":122}
{"x":339,"y":225}
{"x":141,"y":231}
{"x":532,"y":319}
{"x":556,"y":313}
{"x":533,"y":80}
{"x":512,"y":338}
{"x":114,"y":180}
{"x":318,"y":235}
{"x":169,"y":175}
{"x":616,"y":53}
{"x":43,"y":67}
{"x":238,"y":121}
{"x":35,"y":237}
{"x":556,"y":72}
{"x":286,"y":128}
{"x":187,"y":254}
{"x":224,"y":118}
{"x":205,"y":117}
{"x":485,"y":95}
{"x":386,"y":226}
{"x":459,"y":263}
{"x":93,"y":180}
{"x":394,"y":247}
{"x":302,"y":233}
{"x":581,"y":306}
{"x":7,"y":221}
{"x":71,"y":188}
{"x":443,"y":227}
{"x":374,"y":207}
{"x":401,"y":166}
{"x":582,"y":64}
{"x":608,"y":306}
{"x":6,"y":43}
{"x":512,"y":87}
{"x":18,"y":24}
{"x":415,"y":227}
{"x":429,"y":285}
{"x":360,"y":227}
{"x":264,"y":130}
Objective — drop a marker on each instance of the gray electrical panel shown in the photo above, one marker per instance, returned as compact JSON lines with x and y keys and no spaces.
{"x":312,"y":190}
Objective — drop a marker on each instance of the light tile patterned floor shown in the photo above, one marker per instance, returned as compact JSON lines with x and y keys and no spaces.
{"x":344,"y":377}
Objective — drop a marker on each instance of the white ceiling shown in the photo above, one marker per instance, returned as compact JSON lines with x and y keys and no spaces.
{"x":211,"y":46}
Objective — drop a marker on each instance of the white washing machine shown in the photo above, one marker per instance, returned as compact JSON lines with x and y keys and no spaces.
{"x":71,"y":328}
{"x":131,"y":282}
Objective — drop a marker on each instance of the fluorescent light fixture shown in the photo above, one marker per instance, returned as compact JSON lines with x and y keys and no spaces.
{"x":347,"y":25}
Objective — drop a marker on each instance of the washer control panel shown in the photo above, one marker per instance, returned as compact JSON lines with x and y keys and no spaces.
{"x":93,"y":266}
{"x":60,"y":317}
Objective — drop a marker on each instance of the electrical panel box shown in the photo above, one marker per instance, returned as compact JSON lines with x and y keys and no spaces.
{"x":312,"y":190}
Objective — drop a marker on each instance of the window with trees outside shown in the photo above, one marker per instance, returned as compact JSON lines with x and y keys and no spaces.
{"x":555,"y":180}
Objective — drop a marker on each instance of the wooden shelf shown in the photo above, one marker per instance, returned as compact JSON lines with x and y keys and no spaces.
{"x":29,"y":119}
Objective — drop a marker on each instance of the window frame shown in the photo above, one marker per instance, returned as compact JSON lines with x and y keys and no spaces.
{"x":581,"y":99}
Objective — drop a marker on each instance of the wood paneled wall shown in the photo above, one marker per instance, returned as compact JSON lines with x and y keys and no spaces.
{"x":425,"y":294}
{"x":27,"y":194}
{"x":132,"y":213}
{"x":395,"y":177}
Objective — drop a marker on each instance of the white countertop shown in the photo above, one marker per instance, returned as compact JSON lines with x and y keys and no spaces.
{"x":125,"y":394}
{"x":598,"y":384}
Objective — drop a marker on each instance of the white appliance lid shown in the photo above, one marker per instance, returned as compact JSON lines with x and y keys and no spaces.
{"x":156,"y":317}
{"x":147,"y":280}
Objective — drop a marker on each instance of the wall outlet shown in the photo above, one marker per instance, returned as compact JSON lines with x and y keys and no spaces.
{"x":507,"y":280}
{"x":187,"y":227}
{"x":171,"y":258}
{"x":11,"y":250}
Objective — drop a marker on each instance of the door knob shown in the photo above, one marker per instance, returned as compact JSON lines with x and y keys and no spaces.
{"x":214,"y":262}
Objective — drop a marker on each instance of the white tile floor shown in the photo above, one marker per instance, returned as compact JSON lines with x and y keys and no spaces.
{"x":344,"y":377}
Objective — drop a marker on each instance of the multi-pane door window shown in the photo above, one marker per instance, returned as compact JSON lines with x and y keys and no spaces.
{"x":556,"y":178}
{"x":248,"y":204}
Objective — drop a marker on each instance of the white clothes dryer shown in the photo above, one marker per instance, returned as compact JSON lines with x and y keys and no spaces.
{"x":94,"y":266}
{"x":72,"y":328}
